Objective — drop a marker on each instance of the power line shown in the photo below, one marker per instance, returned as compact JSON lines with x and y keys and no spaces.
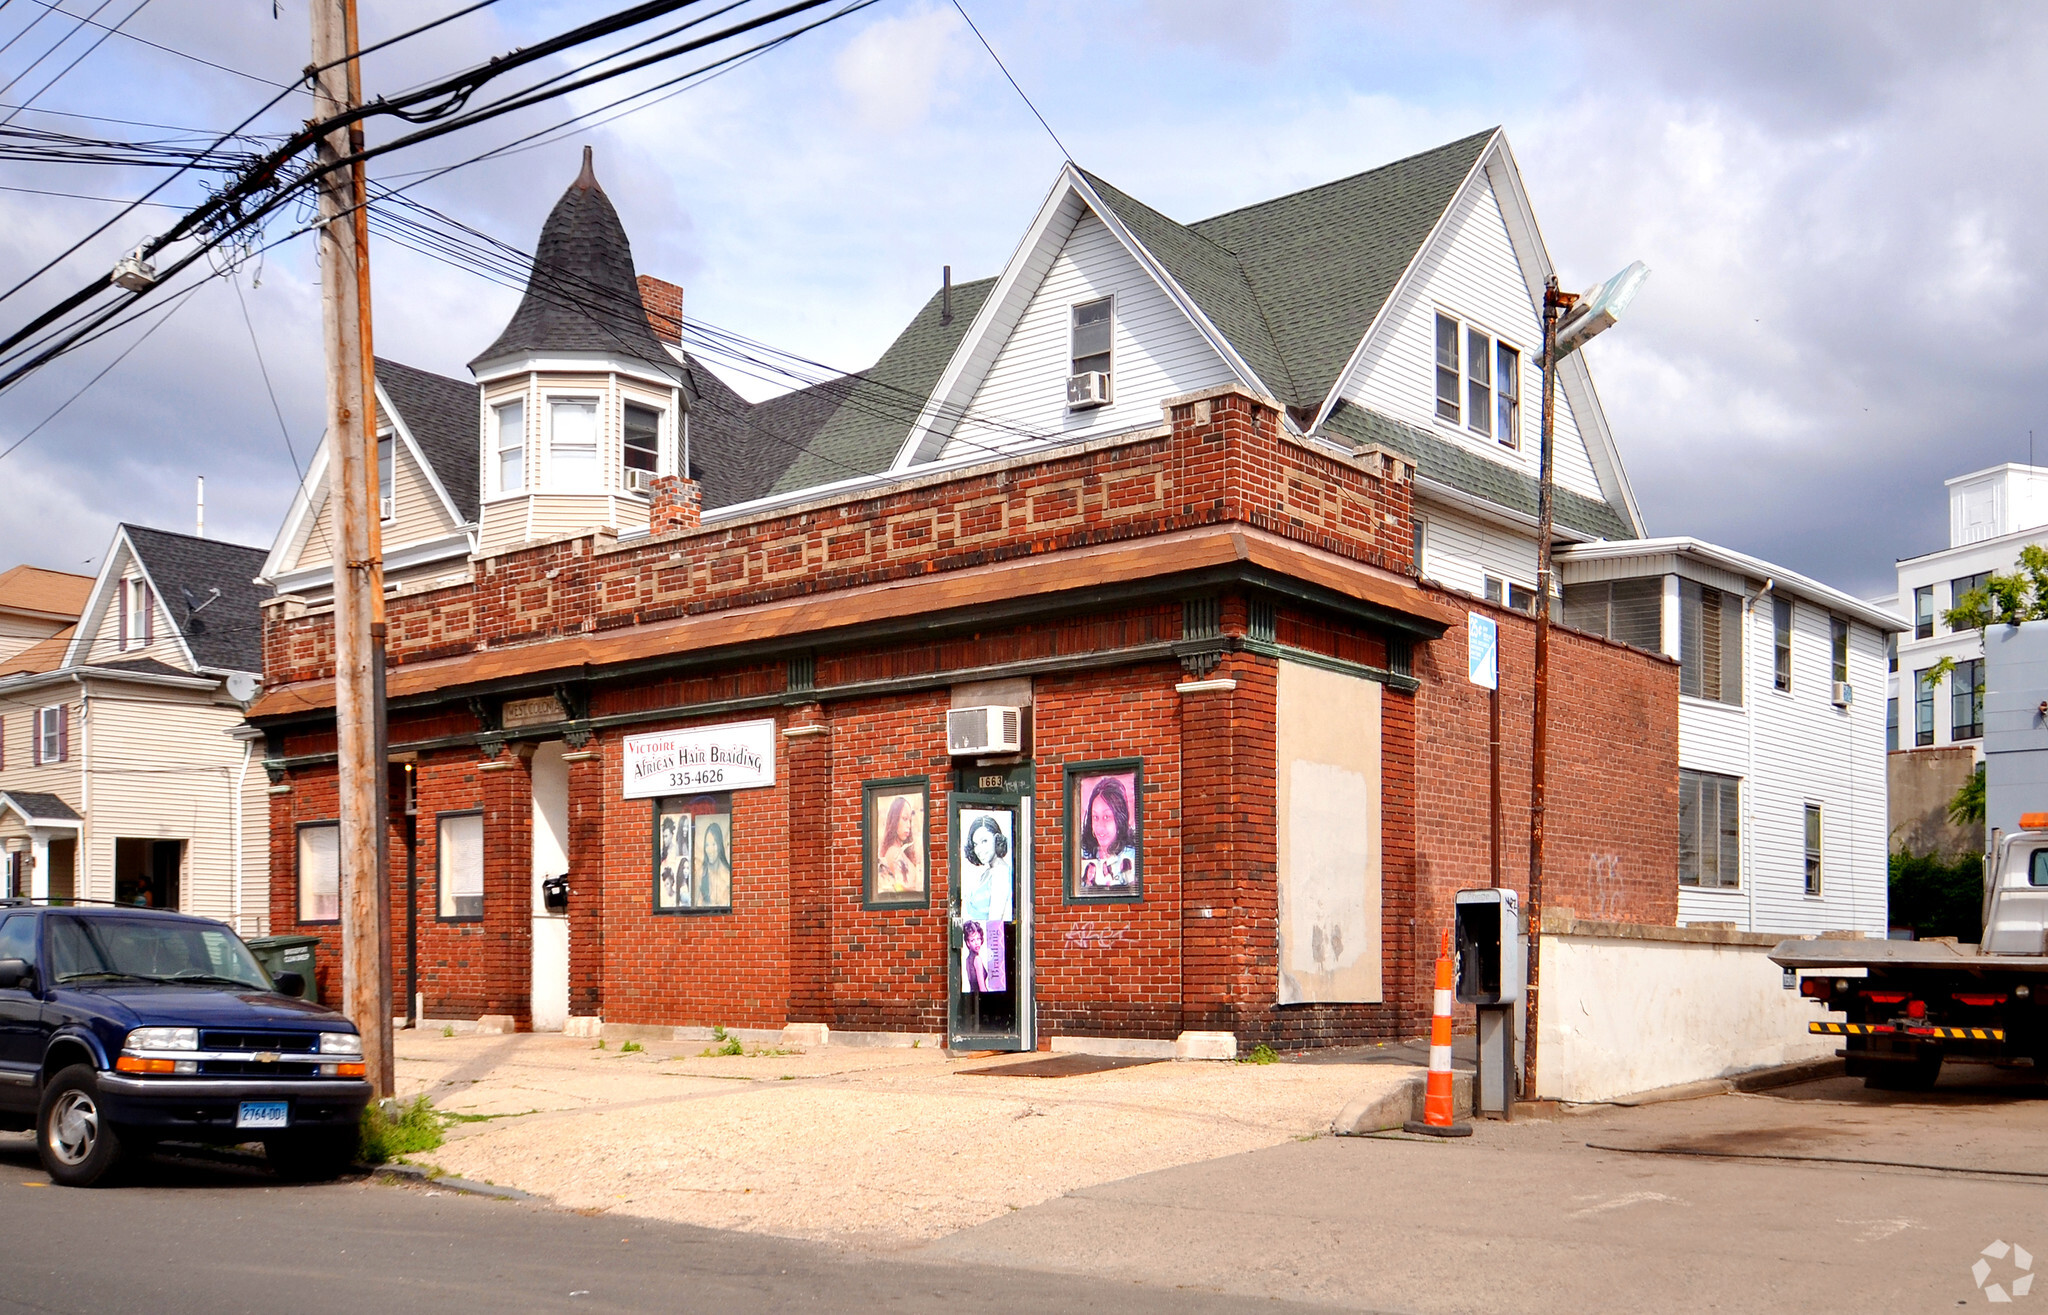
{"x":1069,"y":155}
{"x":168,"y":50}
{"x":80,"y":196}
{"x":175,"y":307}
{"x":291,"y":449}
{"x":76,"y":62}
{"x":53,"y":48}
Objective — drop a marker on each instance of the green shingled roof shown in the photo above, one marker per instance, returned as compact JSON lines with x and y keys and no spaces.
{"x":1445,"y":462}
{"x":865,"y":433}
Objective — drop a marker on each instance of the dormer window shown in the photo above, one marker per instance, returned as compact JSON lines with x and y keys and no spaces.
{"x":572,"y":446}
{"x":1478,"y":381}
{"x":1088,"y":379}
{"x":384,"y":500}
{"x":643,"y":446}
{"x":510,"y":420}
{"x":138,"y":614}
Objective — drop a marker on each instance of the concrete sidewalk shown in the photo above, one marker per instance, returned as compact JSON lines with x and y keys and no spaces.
{"x":876,"y":1148}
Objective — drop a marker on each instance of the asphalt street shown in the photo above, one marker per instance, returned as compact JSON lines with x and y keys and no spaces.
{"x":1816,"y":1198}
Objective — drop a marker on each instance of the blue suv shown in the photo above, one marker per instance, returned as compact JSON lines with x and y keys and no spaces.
{"x":122,"y":1027}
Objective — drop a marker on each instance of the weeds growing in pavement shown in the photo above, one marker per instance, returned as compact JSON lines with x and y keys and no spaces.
{"x":447,"y":1029}
{"x":1260,"y":1054}
{"x":631,"y":1048}
{"x":415,"y":1127}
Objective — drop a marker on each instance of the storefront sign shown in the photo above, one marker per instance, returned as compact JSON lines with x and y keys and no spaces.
{"x":530,"y":712}
{"x":736,"y":756}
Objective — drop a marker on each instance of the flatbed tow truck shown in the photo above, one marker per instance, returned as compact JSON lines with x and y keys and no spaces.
{"x":1910,"y":1005}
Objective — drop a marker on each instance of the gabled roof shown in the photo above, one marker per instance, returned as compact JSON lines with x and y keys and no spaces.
{"x":221,"y":633}
{"x":44,"y":592}
{"x":738,"y":449}
{"x":881,"y":404}
{"x":33,"y":806}
{"x":43,"y":655}
{"x":441,"y":415}
{"x":581,"y":295}
{"x":1446,"y":463}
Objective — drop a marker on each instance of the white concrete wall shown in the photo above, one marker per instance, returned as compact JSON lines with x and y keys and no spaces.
{"x":1620,"y":1016}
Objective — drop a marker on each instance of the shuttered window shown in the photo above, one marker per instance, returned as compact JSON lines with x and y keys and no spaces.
{"x":1709,"y":830}
{"x":1709,"y":643}
{"x":52,"y":735}
{"x":1626,"y":611}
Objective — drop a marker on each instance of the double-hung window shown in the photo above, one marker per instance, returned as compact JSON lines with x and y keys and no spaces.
{"x":1089,"y":354}
{"x":459,"y":850}
{"x":385,"y":504}
{"x":1478,"y":381}
{"x":1709,"y":830}
{"x":642,"y":445}
{"x":1838,"y":645}
{"x":320,"y":872}
{"x":1923,"y":708}
{"x":1923,"y":612}
{"x":572,"y":446}
{"x":1966,"y":700}
{"x":52,"y":735}
{"x":510,"y":419}
{"x":1813,"y":850}
{"x":1781,"y":642}
{"x":1709,"y":643}
{"x":138,"y":614}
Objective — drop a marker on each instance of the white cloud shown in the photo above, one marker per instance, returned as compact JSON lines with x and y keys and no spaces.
{"x":898,"y":70}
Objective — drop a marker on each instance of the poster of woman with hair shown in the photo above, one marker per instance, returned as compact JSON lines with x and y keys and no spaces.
{"x":1103,"y":828}
{"x":896,"y":833}
{"x":987,"y":891}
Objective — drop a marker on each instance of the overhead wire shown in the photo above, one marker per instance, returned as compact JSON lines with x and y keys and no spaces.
{"x":170,"y":50}
{"x":82,"y":57}
{"x":175,"y":307}
{"x":52,"y":48}
{"x":1067,"y":154}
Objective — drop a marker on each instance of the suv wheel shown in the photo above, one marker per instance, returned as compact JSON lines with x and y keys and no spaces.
{"x":79,"y":1148}
{"x":312,"y":1157}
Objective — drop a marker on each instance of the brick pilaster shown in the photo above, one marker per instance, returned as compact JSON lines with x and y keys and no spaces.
{"x":587,"y":892}
{"x":507,"y":786}
{"x":807,"y":756}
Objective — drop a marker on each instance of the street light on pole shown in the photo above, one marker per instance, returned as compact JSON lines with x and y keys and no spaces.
{"x":1569,"y":323}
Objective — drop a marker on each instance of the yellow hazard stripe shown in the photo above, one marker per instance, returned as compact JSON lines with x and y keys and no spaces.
{"x":1877,"y":1029}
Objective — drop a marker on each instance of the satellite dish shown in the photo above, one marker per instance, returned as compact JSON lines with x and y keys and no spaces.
{"x":242,"y":686}
{"x":1598,"y":309}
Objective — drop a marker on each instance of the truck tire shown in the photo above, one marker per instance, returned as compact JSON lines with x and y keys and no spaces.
{"x":1919,"y":1075}
{"x":312,"y":1157}
{"x":77,"y":1145}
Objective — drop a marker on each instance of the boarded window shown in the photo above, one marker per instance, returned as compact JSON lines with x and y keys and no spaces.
{"x":1625,"y":611}
{"x":1327,"y":740}
{"x":1709,"y":830}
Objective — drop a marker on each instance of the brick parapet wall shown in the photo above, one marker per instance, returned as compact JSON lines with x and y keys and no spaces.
{"x":1223,"y":460}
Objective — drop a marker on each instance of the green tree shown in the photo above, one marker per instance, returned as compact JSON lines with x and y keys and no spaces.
{"x":2003,"y":600}
{"x":1936,"y":896}
{"x":1966,"y":806}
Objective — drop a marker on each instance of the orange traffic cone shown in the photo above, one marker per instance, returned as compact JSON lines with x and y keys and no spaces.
{"x":1439,"y":1113}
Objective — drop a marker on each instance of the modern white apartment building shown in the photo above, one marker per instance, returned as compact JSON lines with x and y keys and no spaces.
{"x":1782,"y":794}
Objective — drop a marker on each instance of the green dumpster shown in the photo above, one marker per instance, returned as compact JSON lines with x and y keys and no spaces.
{"x":289,"y":954}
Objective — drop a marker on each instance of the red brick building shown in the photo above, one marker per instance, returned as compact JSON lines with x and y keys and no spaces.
{"x":896,"y":705}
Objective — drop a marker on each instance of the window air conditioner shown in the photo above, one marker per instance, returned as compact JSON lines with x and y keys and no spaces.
{"x":639,"y":481}
{"x":974,"y":731}
{"x":1087,"y":389}
{"x":1844,"y":695}
{"x":384,"y":508}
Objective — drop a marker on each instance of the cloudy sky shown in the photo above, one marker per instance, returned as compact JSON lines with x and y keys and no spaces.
{"x":1834,"y":199}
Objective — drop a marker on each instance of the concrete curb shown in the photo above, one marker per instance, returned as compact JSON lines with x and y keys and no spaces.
{"x":1786,"y":1075}
{"x":1394,"y":1105}
{"x":412,"y":1173}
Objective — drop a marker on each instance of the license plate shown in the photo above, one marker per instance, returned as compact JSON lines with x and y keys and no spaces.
{"x":263,"y":1114}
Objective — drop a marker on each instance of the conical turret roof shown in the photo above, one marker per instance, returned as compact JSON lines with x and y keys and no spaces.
{"x":581,"y":295}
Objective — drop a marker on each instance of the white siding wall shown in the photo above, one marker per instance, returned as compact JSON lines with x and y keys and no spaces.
{"x":418,"y":516}
{"x":1471,"y":273}
{"x":1460,"y":551}
{"x":1157,"y":353}
{"x":1807,"y":751}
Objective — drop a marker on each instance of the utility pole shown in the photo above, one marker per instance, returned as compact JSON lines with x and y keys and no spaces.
{"x":359,"y":572}
{"x":1555,"y":304}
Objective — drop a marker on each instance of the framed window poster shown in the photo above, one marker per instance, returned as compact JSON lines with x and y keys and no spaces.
{"x":895,"y":843}
{"x":1105,"y":857}
{"x":693,"y":854}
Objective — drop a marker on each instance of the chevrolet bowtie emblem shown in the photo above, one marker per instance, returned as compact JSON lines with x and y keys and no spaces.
{"x":267,"y":1056}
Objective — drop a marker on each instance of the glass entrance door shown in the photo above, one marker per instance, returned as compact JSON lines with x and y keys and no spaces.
{"x":989,"y":966}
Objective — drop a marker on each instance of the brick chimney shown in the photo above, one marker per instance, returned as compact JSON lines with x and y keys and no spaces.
{"x":677,"y":504}
{"x":664,"y":303}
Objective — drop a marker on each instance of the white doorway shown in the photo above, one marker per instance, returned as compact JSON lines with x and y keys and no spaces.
{"x":550,"y":1003}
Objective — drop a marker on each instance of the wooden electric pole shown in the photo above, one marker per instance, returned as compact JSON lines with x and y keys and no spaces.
{"x":359,"y":571}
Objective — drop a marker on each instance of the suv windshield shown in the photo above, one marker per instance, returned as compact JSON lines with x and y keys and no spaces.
{"x":153,"y":949}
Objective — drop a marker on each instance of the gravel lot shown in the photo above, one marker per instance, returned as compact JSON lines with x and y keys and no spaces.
{"x":874,"y":1148}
